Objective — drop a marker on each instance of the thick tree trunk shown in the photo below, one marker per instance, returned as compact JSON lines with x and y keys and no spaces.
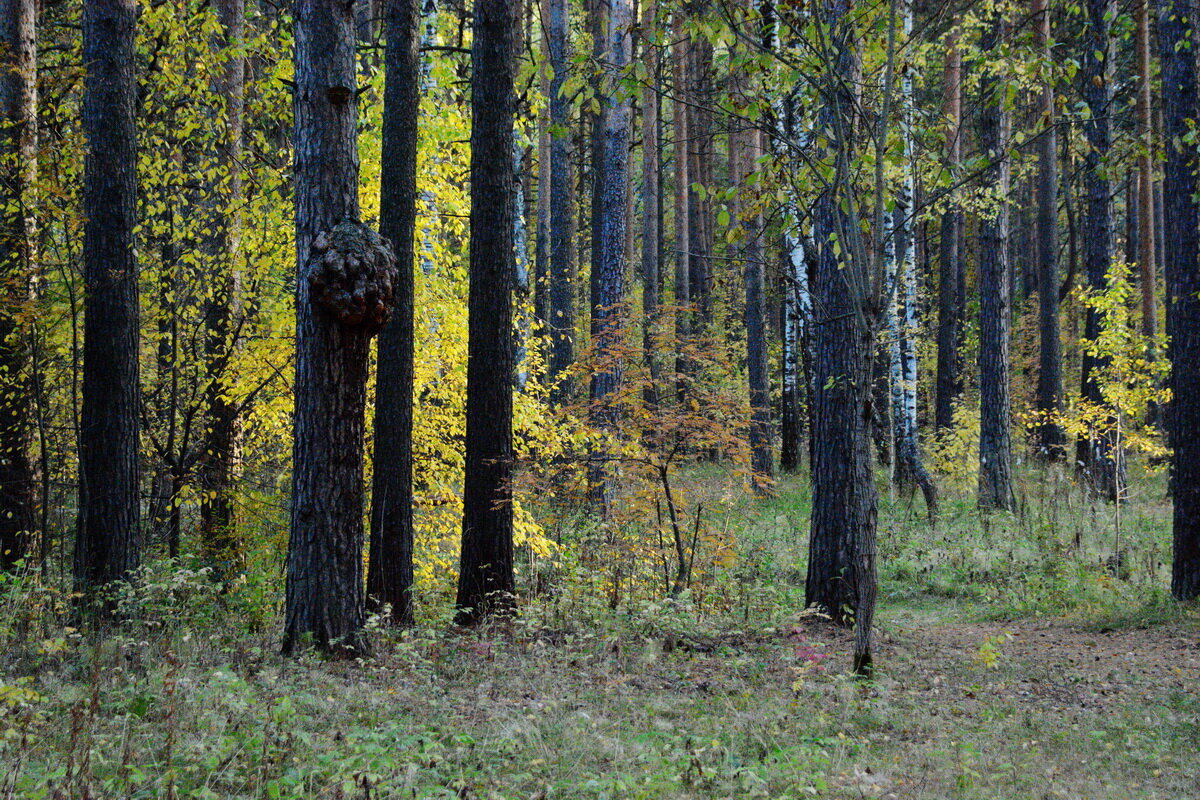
{"x":841,"y":569}
{"x":1049,"y":436}
{"x":1181,"y":262}
{"x":1097,"y":454}
{"x":217,"y":467}
{"x":611,"y":191}
{"x":346,"y":275}
{"x":995,"y":443}
{"x":108,"y":543}
{"x":390,"y":565}
{"x":950,"y":277}
{"x":562,"y":285}
{"x":486,"y":581}
{"x":18,"y":260}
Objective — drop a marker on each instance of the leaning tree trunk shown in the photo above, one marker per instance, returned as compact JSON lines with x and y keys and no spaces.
{"x":390,"y":564}
{"x":1098,"y":455}
{"x":611,"y":174}
{"x":18,"y":256}
{"x":346,"y":276}
{"x":995,"y":442}
{"x":217,"y":466}
{"x":1181,"y":260}
{"x":1048,"y":435}
{"x":485,"y":579}
{"x":108,"y":543}
{"x":951,"y":283}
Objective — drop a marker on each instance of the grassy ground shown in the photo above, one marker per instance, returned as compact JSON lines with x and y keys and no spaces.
{"x":1018,"y":659}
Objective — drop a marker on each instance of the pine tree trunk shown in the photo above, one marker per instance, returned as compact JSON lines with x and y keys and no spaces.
{"x":1097,"y":454}
{"x":486,"y":581}
{"x":217,"y":467}
{"x":651,"y":218}
{"x":1049,"y":437}
{"x":841,"y":570}
{"x":562,"y":288}
{"x":390,"y":565}
{"x":346,"y":275}
{"x":950,"y":276}
{"x":611,"y":190}
{"x":18,"y":261}
{"x":108,"y":544}
{"x":683,"y":298}
{"x":762,"y":459}
{"x":995,"y":443}
{"x":1147,"y":255}
{"x":1181,"y":262}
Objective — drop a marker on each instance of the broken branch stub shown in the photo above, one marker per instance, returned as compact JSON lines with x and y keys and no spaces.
{"x":352,"y":274}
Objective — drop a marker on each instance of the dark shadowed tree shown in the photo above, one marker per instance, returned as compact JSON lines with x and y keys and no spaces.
{"x":1147,"y":250}
{"x":951,"y":280}
{"x":679,"y":122}
{"x":762,"y":459}
{"x":18,"y":250}
{"x":995,"y":436}
{"x":108,"y":543}
{"x":1097,"y":455}
{"x":651,"y":200}
{"x":344,"y":292}
{"x":485,"y":579}
{"x":390,"y":566}
{"x":217,"y":466}
{"x":1049,"y":436}
{"x":1181,"y":262}
{"x":562,"y":288}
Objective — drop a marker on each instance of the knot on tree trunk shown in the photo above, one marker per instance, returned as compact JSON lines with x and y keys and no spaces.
{"x":352,"y":274}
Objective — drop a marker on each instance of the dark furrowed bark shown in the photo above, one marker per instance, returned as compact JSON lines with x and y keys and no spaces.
{"x":108,"y":544}
{"x":486,"y":581}
{"x":390,"y":564}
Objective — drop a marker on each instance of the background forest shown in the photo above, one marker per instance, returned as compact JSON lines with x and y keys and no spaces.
{"x":604,"y":399}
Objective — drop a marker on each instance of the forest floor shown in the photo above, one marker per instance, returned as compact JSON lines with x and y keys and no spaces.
{"x":1038,"y":709}
{"x":1012,"y":664}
